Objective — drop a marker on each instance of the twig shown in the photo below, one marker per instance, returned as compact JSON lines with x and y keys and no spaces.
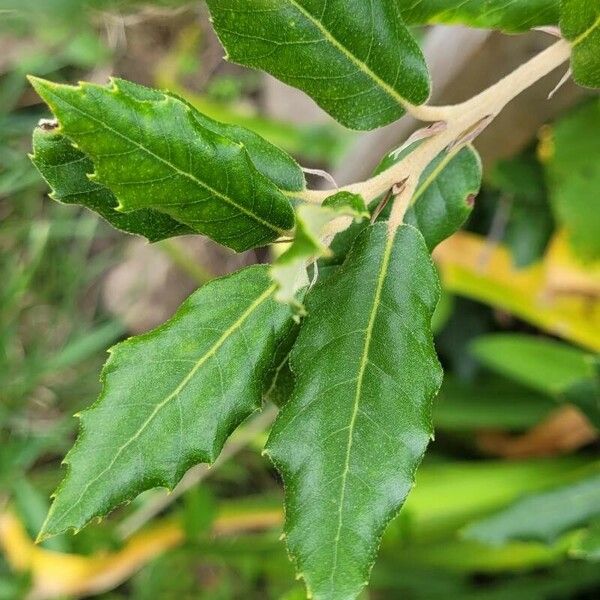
{"x":448,"y":51}
{"x":460,"y":119}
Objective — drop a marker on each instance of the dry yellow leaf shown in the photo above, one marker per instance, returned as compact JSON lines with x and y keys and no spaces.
{"x":558,"y":295}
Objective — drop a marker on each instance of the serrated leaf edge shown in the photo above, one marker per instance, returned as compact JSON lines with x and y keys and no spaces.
{"x":44,"y":532}
{"x":430,"y":429}
{"x":54,"y":195}
{"x":361,"y":65}
{"x":41,"y":84}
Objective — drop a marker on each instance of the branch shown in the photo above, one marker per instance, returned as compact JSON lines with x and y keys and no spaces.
{"x":464,"y":122}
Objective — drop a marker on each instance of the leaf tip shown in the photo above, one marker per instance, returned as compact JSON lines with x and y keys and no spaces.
{"x":41,"y":86}
{"x":46,"y":531}
{"x":36,"y":81}
{"x":41,"y":537}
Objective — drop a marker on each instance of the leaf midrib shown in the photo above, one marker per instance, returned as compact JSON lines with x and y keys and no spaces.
{"x":431,"y":178}
{"x":172,"y":166}
{"x":357,"y":397}
{"x":582,"y":36}
{"x":354,"y":59}
{"x":211,"y":352}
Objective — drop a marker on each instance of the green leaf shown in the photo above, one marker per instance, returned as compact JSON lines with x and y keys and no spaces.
{"x":350,"y":439}
{"x":521,"y":181}
{"x":573,"y":171}
{"x":585,"y":394}
{"x":279,"y":382}
{"x":65,"y":168}
{"x":542,"y":364}
{"x":541,"y":517}
{"x":346,"y":203}
{"x":356,"y":59}
{"x":445,"y":196}
{"x":156,"y":154}
{"x":442,"y":203}
{"x":515,"y":16}
{"x":171,"y":397}
{"x":580,"y":24}
{"x":270,"y":160}
{"x":489,"y":403}
{"x":587,"y":546}
{"x":289,"y":270}
{"x":547,"y":366}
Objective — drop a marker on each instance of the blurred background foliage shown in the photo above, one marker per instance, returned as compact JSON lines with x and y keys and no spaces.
{"x":507,"y":503}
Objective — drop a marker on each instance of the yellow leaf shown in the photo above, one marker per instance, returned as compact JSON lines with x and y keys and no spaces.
{"x":56,"y":574}
{"x":558,"y":295}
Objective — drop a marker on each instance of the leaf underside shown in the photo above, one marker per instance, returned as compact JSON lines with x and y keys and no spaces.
{"x":360,"y":64}
{"x":351,"y":437}
{"x":156,"y":154}
{"x":171,"y":397}
{"x":66,"y":171}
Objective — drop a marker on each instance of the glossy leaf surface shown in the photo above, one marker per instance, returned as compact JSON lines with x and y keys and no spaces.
{"x":356,"y":59}
{"x":171,"y":397}
{"x":155,"y":154}
{"x":445,"y":196}
{"x":442,"y":203}
{"x":66,"y":168}
{"x":349,"y":440}
{"x":270,"y":160}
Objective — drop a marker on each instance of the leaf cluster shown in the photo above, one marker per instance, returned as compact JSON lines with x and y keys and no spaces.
{"x":338,"y":330}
